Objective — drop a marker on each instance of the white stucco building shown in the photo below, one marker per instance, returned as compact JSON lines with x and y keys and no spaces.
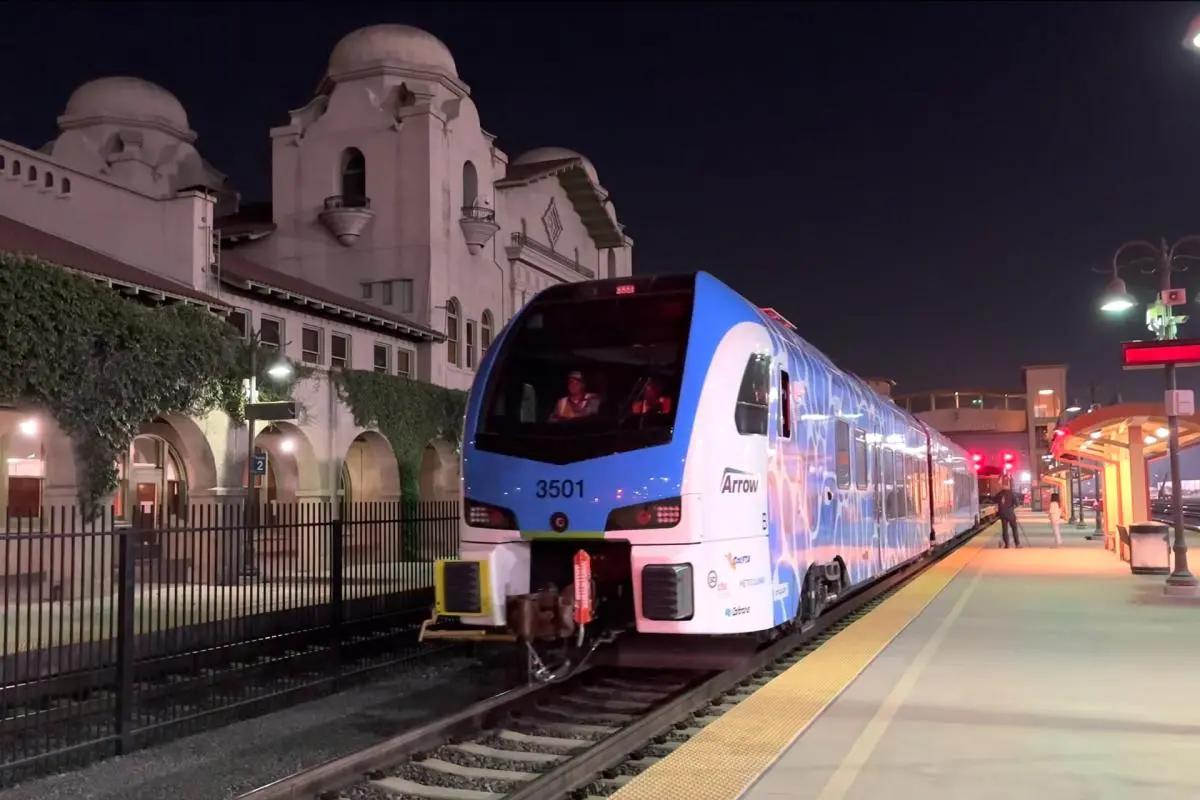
{"x":398,"y":238}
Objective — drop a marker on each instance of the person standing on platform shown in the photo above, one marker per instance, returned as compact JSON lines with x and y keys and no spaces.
{"x":1056,"y":518}
{"x":1006,"y":509}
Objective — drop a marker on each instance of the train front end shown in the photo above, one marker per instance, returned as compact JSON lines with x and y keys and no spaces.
{"x":581,"y":518}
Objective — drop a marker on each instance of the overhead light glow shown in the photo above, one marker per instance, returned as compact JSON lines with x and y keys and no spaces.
{"x":1096,"y":434}
{"x":1045,"y":392}
{"x":287,"y":445}
{"x":1150,"y":440}
{"x":1024,"y":476}
{"x":279,"y":371}
{"x":1162,"y":433}
{"x":28,"y":427}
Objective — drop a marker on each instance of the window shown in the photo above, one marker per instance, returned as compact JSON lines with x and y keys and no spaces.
{"x":860,"y":458}
{"x":16,"y":168}
{"x":48,"y":180}
{"x":485,"y":333}
{"x":753,"y":409}
{"x":470,"y":344}
{"x":65,"y":187}
{"x":310,"y":344}
{"x":1046,"y":405}
{"x":31,"y":176}
{"x":453,"y":354}
{"x":339,"y":351}
{"x":901,"y":489}
{"x":404,"y":363}
{"x":387,"y":293}
{"x":270,"y":332}
{"x":404,"y":295}
{"x":920,"y":403}
{"x":581,"y":373}
{"x":470,"y":185}
{"x":354,"y":178}
{"x":239,"y":319}
{"x":841,"y":435}
{"x":368,"y":290}
{"x":889,"y":484}
{"x":383,"y":358}
{"x":785,"y":405}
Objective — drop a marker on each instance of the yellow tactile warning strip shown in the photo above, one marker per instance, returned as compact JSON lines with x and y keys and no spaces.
{"x":723,"y":760}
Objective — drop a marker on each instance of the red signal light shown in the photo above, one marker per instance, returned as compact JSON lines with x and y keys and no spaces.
{"x":1008,"y":456}
{"x":976,"y":457}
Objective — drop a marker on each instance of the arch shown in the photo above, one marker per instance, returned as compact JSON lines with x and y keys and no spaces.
{"x":371,"y":473}
{"x":65,"y":186}
{"x":454,"y":332}
{"x":487,"y":329}
{"x":16,"y":168}
{"x":48,"y":180}
{"x":187,"y":437}
{"x":32,"y":174}
{"x":439,"y":474}
{"x":612,"y":263}
{"x":353,"y":174}
{"x":470,"y":185}
{"x":152,"y":480}
{"x":293,"y":472}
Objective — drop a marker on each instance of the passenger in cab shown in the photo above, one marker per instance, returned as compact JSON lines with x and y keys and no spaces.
{"x":578,"y":402}
{"x":652,"y":400}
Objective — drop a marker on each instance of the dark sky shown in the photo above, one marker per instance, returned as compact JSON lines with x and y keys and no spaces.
{"x":921,"y":188}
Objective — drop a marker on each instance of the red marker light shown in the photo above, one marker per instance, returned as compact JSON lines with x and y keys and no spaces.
{"x":583,"y":588}
{"x":1008,"y":457}
{"x":976,"y":457}
{"x":626,"y":288}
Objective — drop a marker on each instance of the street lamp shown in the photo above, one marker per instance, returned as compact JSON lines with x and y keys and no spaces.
{"x":1162,"y":260}
{"x":279,"y":370}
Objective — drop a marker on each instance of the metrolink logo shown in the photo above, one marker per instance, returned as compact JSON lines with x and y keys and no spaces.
{"x":734,"y":481}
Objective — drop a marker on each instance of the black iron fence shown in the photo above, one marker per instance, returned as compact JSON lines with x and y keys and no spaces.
{"x":117,"y":633}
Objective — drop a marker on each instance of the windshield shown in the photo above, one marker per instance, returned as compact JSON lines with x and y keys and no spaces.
{"x":589,"y":370}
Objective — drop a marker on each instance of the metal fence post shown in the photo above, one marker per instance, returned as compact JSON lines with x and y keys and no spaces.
{"x":336,"y":608}
{"x":125,"y":641}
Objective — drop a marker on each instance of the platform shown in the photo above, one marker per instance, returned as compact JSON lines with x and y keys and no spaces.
{"x":1044,"y":672}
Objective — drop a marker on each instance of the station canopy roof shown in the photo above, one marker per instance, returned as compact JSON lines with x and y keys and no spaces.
{"x":1100,"y":435}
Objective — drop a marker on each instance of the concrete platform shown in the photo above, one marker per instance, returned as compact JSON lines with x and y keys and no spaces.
{"x":1044,"y":672}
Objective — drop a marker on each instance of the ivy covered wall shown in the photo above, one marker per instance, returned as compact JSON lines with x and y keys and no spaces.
{"x":103,"y":365}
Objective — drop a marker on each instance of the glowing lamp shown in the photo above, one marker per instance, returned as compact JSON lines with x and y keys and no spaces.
{"x":1116,"y":297}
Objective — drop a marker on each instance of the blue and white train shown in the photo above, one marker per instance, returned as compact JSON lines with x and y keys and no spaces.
{"x":658,"y":454}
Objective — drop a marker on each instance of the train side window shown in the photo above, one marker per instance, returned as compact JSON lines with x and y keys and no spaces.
{"x":785,"y":406}
{"x":841,"y":437}
{"x":860,"y":458}
{"x":753,"y":410}
{"x":889,"y":484}
{"x":901,"y":485}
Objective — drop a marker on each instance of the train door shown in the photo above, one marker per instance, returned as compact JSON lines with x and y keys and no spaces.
{"x":879,"y":540}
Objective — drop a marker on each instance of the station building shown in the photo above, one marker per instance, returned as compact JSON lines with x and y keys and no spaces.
{"x":398,"y":238}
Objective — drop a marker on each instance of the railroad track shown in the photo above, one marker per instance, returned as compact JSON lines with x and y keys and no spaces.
{"x":581,"y":739}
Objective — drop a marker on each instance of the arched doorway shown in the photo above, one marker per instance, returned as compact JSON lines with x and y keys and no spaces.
{"x":151,"y":484}
{"x":438,"y":479}
{"x":370,"y":472}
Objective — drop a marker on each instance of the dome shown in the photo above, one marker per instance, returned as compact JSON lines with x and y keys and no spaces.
{"x":127,"y":98}
{"x":390,"y":44}
{"x":540,"y":155}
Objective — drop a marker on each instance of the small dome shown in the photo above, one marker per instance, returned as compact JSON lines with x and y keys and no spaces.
{"x":540,"y":155}
{"x":127,"y":98}
{"x":391,"y":44}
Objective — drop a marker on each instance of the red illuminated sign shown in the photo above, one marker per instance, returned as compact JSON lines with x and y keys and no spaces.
{"x":1146,"y":355}
{"x":780,"y":318}
{"x":626,"y":288}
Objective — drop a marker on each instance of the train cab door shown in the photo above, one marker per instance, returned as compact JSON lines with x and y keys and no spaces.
{"x":879,"y":491}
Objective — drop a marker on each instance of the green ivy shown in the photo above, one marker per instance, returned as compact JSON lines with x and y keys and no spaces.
{"x":103,"y":365}
{"x":410,"y":414}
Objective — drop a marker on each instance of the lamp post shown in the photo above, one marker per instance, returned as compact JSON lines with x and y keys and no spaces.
{"x":1162,"y":260}
{"x":279,"y":371}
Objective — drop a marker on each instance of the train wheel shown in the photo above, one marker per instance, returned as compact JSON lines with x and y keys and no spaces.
{"x":813,"y":597}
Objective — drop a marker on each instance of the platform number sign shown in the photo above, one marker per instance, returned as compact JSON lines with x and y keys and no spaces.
{"x":258,"y":464}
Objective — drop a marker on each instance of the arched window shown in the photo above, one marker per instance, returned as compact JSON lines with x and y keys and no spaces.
{"x":486,"y":327}
{"x":48,"y":180}
{"x":470,"y":185}
{"x":16,"y":168}
{"x":31,"y":175}
{"x":354,"y":178}
{"x":453,"y":335}
{"x":612,"y":263}
{"x":65,"y":187}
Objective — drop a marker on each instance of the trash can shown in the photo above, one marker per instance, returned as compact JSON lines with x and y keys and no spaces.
{"x":1150,"y":552}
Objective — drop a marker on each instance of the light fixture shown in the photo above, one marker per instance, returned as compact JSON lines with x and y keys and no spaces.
{"x":1074,"y":408}
{"x":280,"y":371}
{"x":1150,"y":440}
{"x":1024,"y":476}
{"x":1096,"y":434}
{"x":287,"y":445}
{"x":1162,"y":433}
{"x":1116,"y":297}
{"x":1045,"y":392}
{"x":28,"y":427}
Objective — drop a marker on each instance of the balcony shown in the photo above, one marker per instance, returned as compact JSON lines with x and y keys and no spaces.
{"x":478,"y":225}
{"x":523,"y":248}
{"x":346,"y":217}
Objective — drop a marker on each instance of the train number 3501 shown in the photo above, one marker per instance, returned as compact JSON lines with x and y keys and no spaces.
{"x":556,"y":489}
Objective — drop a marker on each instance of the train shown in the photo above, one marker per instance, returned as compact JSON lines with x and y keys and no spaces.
{"x":659,"y":455}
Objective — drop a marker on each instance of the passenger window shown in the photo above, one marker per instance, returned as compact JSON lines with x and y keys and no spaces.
{"x":889,"y":484}
{"x":842,"y":442}
{"x":860,"y":458}
{"x":785,"y":406}
{"x":901,"y":488}
{"x":753,"y":410}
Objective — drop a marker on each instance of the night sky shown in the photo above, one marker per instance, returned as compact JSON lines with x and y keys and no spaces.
{"x":922,"y":189}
